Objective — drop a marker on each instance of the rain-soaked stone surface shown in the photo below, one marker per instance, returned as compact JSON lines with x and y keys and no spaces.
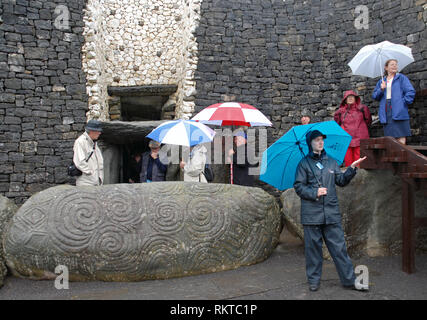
{"x":7,"y":209}
{"x":132,"y":232}
{"x":371,"y":208}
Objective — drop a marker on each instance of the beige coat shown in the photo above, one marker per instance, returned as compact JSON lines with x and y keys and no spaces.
{"x":92,"y":170}
{"x":196,"y":165}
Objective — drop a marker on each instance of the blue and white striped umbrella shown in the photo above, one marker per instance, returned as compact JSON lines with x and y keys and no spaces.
{"x":182,"y":132}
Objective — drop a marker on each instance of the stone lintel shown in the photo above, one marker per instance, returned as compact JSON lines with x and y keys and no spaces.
{"x":147,"y":90}
{"x":123,"y":132}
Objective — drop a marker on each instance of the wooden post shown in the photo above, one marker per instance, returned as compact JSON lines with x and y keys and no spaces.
{"x":408,"y":227}
{"x":411,"y":166}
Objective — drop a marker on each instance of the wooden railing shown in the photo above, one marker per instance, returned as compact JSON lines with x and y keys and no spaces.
{"x":411,"y":166}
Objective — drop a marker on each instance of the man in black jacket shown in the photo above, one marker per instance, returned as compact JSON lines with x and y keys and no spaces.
{"x":153,"y":164}
{"x":240,"y":160}
{"x":315,"y":180}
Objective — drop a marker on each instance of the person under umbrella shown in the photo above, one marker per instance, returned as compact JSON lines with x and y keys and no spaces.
{"x":395,"y":92}
{"x":194,"y":167}
{"x":280,"y":161}
{"x":315,"y":180}
{"x":191,"y":134}
{"x":241,"y":175}
{"x":232,"y":114}
{"x":355,"y":118}
{"x":153,"y":164}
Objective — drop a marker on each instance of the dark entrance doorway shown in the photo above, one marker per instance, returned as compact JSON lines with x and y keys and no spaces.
{"x":131,"y":154}
{"x":122,"y":141}
{"x":142,"y":108}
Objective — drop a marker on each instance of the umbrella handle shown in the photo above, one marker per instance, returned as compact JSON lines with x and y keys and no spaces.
{"x":382,"y":69}
{"x":231,"y":173}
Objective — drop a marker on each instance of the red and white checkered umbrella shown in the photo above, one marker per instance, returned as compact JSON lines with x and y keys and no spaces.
{"x":232,"y":114}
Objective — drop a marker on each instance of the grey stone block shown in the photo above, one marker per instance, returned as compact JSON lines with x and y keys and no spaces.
{"x":7,"y":210}
{"x":141,"y":231}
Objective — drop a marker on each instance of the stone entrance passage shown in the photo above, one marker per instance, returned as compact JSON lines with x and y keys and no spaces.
{"x":119,"y":141}
{"x":134,"y":111}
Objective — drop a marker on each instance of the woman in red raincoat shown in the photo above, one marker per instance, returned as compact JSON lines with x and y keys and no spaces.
{"x":354,"y":118}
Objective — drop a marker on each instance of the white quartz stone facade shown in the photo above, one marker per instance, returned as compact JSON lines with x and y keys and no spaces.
{"x":140,"y":42}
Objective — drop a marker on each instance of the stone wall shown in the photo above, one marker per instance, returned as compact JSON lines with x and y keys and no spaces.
{"x":187,"y":86}
{"x":283,"y":56}
{"x":94,"y":60}
{"x":42,"y":93}
{"x":52,"y":80}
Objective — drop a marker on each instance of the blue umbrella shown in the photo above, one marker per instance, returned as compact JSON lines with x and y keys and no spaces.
{"x":182,"y":132}
{"x":280,"y":160}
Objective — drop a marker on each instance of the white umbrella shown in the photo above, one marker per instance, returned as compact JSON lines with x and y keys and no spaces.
{"x":370,"y":60}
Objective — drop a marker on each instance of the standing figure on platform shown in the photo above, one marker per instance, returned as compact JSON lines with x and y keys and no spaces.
{"x":395,"y":93}
{"x":355,"y":118}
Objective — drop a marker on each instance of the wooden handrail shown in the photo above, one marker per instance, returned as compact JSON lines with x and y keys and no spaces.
{"x":411,"y":166}
{"x":392,"y":151}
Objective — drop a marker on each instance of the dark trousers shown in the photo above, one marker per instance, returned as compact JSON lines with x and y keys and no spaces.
{"x":333,"y":235}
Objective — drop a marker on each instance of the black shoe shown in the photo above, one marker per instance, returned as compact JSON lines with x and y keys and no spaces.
{"x":314,"y":287}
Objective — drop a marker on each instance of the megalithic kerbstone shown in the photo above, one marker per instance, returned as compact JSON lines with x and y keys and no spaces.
{"x":132,"y":232}
{"x":7,"y":209}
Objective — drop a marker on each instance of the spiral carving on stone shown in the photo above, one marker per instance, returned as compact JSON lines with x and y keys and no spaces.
{"x":123,"y":207}
{"x":203,"y":256}
{"x":205,"y":219}
{"x":166,"y":189}
{"x":165,"y":215}
{"x":117,"y":248}
{"x":161,"y":255}
{"x":73,"y":218}
{"x":204,"y":189}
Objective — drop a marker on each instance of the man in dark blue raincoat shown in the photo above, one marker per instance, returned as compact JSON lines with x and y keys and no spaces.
{"x":315,"y":180}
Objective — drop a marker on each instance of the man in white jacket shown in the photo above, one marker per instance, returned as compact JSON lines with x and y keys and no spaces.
{"x":88,"y":157}
{"x":195,"y":166}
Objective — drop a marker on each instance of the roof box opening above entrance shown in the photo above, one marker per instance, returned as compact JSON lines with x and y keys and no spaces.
{"x":142,"y":103}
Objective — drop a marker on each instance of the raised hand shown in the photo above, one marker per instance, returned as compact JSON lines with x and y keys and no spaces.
{"x":357,"y":162}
